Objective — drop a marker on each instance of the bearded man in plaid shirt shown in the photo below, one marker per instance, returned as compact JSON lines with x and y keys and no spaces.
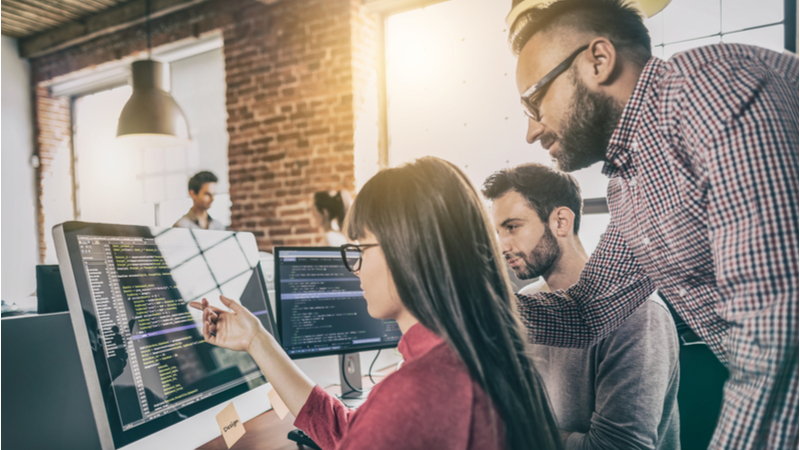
{"x":702,"y":156}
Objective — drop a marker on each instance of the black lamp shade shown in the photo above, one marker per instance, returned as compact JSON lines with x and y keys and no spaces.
{"x":151,"y":117}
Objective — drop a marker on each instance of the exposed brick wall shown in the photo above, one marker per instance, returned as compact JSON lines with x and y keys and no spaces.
{"x":52,"y":139}
{"x":290,"y":117}
{"x":290,"y":100}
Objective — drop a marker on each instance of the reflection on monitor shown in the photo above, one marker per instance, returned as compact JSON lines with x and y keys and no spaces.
{"x":128,"y":289}
{"x":321,"y":307}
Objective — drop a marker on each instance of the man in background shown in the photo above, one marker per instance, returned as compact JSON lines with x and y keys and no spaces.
{"x":702,"y":156}
{"x":202,"y":188}
{"x":620,"y":393}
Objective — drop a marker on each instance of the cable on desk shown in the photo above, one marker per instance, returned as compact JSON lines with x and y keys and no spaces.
{"x":370,"y":367}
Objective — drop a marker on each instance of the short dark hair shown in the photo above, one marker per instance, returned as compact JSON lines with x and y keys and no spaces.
{"x":544,"y":189}
{"x":613,"y":19}
{"x":199,"y":179}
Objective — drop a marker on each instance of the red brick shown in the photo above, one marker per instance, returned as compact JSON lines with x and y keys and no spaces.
{"x":295,"y":71}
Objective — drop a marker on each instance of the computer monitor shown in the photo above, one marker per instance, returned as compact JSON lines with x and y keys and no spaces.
{"x":153,"y":381}
{"x":321,"y":308}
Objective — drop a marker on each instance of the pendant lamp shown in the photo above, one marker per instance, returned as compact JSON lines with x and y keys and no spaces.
{"x":151,"y":117}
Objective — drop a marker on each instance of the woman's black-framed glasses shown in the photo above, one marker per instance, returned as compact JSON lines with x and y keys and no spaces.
{"x":351,"y":255}
{"x":533,"y":96}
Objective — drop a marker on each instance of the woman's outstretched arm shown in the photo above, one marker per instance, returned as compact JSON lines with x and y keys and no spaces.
{"x":238,"y":329}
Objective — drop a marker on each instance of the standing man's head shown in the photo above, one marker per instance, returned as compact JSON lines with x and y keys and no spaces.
{"x":578,"y":63}
{"x":536,"y":212}
{"x":202,"y":189}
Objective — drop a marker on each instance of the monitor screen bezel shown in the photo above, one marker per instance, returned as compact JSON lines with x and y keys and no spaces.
{"x":111,"y":434}
{"x":277,"y":254}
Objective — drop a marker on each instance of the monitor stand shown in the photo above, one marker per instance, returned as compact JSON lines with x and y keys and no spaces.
{"x":353,"y":394}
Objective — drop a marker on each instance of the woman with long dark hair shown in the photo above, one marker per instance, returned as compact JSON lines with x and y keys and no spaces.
{"x":427,"y":258}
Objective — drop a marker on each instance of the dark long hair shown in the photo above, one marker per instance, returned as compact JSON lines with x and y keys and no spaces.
{"x":441,"y":252}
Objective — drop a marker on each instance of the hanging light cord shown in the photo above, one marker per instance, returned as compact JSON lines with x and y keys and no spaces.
{"x":147,"y":24}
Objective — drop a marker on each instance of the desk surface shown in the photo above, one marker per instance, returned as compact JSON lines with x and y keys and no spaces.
{"x":264,"y":432}
{"x":268,"y":432}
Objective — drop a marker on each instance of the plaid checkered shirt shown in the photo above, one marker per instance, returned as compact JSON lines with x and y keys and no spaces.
{"x":703,"y":169}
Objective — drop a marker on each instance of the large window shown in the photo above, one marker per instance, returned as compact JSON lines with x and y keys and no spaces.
{"x":451,"y":90}
{"x":686,"y":24}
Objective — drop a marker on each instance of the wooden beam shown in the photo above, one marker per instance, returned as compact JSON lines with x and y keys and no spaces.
{"x":69,"y":10}
{"x":105,"y":22}
{"x":31,"y":26}
{"x":106,"y":3}
{"x":13,"y":30}
{"x":57,"y":18}
{"x":28,"y":19}
{"x":46,"y":8}
{"x":93,"y":5}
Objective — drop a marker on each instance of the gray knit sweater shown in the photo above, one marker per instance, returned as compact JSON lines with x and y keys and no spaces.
{"x":622,"y":392}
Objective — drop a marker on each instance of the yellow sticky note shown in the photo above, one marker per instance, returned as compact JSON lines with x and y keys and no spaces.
{"x":277,"y":404}
{"x":231,"y":426}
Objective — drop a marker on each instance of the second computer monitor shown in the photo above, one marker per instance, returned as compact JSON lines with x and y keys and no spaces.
{"x":321,"y":307}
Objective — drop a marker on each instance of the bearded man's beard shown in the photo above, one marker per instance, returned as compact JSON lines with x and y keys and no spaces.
{"x":541,"y":259}
{"x":592,"y":120}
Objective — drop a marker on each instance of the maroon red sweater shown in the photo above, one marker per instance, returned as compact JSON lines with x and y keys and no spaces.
{"x":430,"y":403}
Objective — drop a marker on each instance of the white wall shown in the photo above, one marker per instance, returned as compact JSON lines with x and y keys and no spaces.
{"x":198,"y":85}
{"x":452,"y":92}
{"x":687,"y":24}
{"x":19,"y":243}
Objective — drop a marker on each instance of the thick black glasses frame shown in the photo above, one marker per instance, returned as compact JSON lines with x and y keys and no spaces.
{"x":354,"y":248}
{"x":530,"y":104}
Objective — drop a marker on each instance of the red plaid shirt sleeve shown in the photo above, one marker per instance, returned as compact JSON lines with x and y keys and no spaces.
{"x":612,"y":285}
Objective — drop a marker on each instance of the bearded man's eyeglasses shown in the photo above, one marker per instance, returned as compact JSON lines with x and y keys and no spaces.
{"x":533,"y":96}
{"x":351,"y":255}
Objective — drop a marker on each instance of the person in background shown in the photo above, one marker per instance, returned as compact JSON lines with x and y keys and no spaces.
{"x":427,"y":258}
{"x":702,"y":155}
{"x":329,"y":211}
{"x":202,"y":189}
{"x":622,"y":392}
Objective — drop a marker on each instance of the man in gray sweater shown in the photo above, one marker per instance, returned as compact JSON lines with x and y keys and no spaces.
{"x":620,"y":393}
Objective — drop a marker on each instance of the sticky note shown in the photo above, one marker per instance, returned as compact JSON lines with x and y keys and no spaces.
{"x":231,"y":426}
{"x":277,"y":404}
